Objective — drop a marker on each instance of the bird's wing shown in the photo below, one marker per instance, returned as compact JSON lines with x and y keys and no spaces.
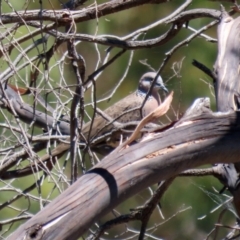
{"x":98,"y":126}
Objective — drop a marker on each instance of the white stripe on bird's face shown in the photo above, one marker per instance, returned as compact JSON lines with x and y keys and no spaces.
{"x":146,"y":82}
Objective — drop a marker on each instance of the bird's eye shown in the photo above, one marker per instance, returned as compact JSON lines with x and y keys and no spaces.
{"x":148,"y":79}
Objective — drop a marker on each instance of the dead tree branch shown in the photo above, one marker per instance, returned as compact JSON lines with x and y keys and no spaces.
{"x":205,"y":139}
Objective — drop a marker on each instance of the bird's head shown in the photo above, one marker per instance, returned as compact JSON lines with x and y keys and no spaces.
{"x":147,"y":79}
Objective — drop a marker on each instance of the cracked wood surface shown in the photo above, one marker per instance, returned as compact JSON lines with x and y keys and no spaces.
{"x":208,"y":138}
{"x":227,"y":86}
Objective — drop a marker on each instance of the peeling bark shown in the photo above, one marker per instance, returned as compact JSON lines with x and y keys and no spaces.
{"x":227,"y":86}
{"x":208,"y":138}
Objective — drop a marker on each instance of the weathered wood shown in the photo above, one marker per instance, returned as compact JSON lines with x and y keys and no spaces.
{"x":203,"y":139}
{"x":227,"y":86}
{"x":227,"y":89}
{"x":10,"y":100}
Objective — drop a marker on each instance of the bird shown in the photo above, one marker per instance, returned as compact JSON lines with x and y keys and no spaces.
{"x":93,"y":131}
{"x":100,"y":126}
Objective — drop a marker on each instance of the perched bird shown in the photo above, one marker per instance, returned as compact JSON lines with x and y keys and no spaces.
{"x":101,"y":126}
{"x":94,"y":132}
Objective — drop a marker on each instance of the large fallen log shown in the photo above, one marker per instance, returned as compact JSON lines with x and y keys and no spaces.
{"x":208,"y":138}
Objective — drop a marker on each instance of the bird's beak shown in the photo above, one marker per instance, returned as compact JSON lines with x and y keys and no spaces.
{"x":161,"y":85}
{"x":164,"y":89}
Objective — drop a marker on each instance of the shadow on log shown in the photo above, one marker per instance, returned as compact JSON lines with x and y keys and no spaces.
{"x":208,"y":138}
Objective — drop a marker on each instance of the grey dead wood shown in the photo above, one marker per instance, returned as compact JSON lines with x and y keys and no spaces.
{"x":10,"y":99}
{"x":227,"y":86}
{"x":208,"y":138}
{"x":227,"y":89}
